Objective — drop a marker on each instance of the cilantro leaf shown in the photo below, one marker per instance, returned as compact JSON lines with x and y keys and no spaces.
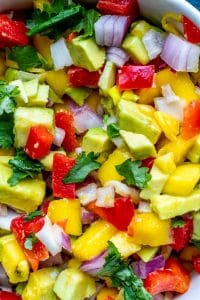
{"x":23,"y":167}
{"x":83,"y":166}
{"x":30,"y":241}
{"x":26,"y":57}
{"x":133,"y":172}
{"x":123,"y":276}
{"x":113,"y":130}
{"x":86,"y":25}
{"x":32,"y":215}
{"x":178,"y":223}
{"x":6,"y":133}
{"x":7,"y":96}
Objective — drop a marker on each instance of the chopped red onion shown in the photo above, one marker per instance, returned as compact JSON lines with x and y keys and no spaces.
{"x":60,"y":54}
{"x":55,"y":260}
{"x":87,"y":217}
{"x":105,"y":196}
{"x":175,"y":108}
{"x":59,"y":136}
{"x":4,"y":281}
{"x":65,"y":242}
{"x":110,"y":30}
{"x":158,"y":297}
{"x":87,"y":193}
{"x":95,"y":264}
{"x":118,"y":56}
{"x":180,"y":55}
{"x":85,"y":119}
{"x":5,"y":221}
{"x":142,"y":269}
{"x":123,"y":190}
{"x":153,"y":41}
{"x":144,"y":206}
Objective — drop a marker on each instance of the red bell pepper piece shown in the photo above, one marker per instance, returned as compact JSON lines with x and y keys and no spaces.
{"x":135,"y":77}
{"x":196,"y":263}
{"x":120,"y":215}
{"x":9,"y":296}
{"x":65,"y":120}
{"x":61,"y":166}
{"x":191,"y":120}
{"x":191,"y":31}
{"x":182,"y":235}
{"x":148,"y":162}
{"x":22,"y":229}
{"x":12,"y":33}
{"x":39,"y":142}
{"x":81,"y":77}
{"x":119,"y":7}
{"x":71,"y":36}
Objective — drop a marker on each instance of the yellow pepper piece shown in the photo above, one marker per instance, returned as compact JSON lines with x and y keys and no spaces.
{"x":130,"y":95}
{"x":146,"y":96}
{"x":106,"y":292}
{"x":148,"y":229}
{"x":183,"y":180}
{"x":108,"y":171}
{"x":124,"y":244}
{"x":168,"y":22}
{"x":147,"y":110}
{"x":42,"y":44}
{"x":57,"y":81}
{"x":168,"y":124}
{"x":93,"y":241}
{"x":115,"y":94}
{"x":66,"y":210}
{"x":147,"y":253}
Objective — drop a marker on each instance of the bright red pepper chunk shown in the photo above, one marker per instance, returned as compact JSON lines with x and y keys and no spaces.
{"x":135,"y":77}
{"x":119,"y":7}
{"x":61,"y":166}
{"x":191,"y":120}
{"x":81,"y":77}
{"x":39,"y":142}
{"x":148,"y":162}
{"x":23,"y":229}
{"x":191,"y":31}
{"x":12,"y":33}
{"x":120,"y":215}
{"x":182,"y":235}
{"x":65,"y":120}
{"x":9,"y":296}
{"x":196,"y":263}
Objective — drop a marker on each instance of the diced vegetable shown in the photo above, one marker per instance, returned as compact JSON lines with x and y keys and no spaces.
{"x":119,"y":7}
{"x":191,"y":31}
{"x":81,"y":77}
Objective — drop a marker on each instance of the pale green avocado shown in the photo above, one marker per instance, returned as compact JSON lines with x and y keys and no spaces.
{"x":167,"y":206}
{"x":13,"y":74}
{"x":31,"y":87}
{"x":41,"y":98}
{"x":54,"y":97}
{"x":194,"y":154}
{"x":139,"y":145}
{"x":147,"y":253}
{"x":196,"y":226}
{"x":48,"y":160}
{"x":27,"y":195}
{"x":107,"y":79}
{"x":132,"y":119}
{"x":78,"y":94}
{"x":22,"y":98}
{"x":40,"y":285}
{"x":97,"y":140}
{"x":73,"y":284}
{"x":26,"y":117}
{"x":134,"y":46}
{"x":86,"y":54}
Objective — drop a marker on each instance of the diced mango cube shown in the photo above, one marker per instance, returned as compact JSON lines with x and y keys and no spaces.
{"x":147,"y":253}
{"x":105,"y":293}
{"x":146,"y":96}
{"x":166,"y":163}
{"x":124,"y":244}
{"x":57,"y":80}
{"x":169,"y":125}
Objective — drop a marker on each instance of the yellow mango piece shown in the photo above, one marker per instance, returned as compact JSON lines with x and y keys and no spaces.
{"x":183,"y":180}
{"x":42,"y":44}
{"x":166,"y":163}
{"x":130,"y":95}
{"x":147,"y":110}
{"x":179,"y":148}
{"x":93,"y":241}
{"x":148,"y":229}
{"x":180,"y":83}
{"x":168,"y":124}
{"x":115,"y":94}
{"x":108,"y":171}
{"x":66,"y":210}
{"x":124,"y":244}
{"x":106,"y":292}
{"x":57,"y":80}
{"x":74,"y":263}
{"x":147,"y":253}
{"x":146,"y":96}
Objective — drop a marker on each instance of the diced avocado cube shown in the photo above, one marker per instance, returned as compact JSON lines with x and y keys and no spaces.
{"x":73,"y":284}
{"x":22,"y":98}
{"x":27,"y":195}
{"x":196,"y":226}
{"x":48,"y":160}
{"x":132,"y":119}
{"x":86,"y":54}
{"x":13,"y":259}
{"x":194,"y":154}
{"x":97,"y":140}
{"x":31,"y":87}
{"x":167,"y":206}
{"x":40,"y":285}
{"x":107,"y":79}
{"x":26,"y":117}
{"x":147,"y":253}
{"x":41,"y":97}
{"x":78,"y":94}
{"x":134,"y":46}
{"x":13,"y":74}
{"x":139,"y":145}
{"x":54,"y":97}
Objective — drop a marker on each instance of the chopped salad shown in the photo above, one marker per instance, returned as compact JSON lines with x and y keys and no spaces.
{"x":99,"y":153}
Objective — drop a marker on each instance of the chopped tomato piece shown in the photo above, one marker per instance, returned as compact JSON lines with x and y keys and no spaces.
{"x":191,"y":120}
{"x":119,"y":7}
{"x":80,"y":77}
{"x":39,"y":142}
{"x":9,"y":296}
{"x":191,"y":31}
{"x":61,"y":166}
{"x":196,"y":263}
{"x":182,"y":235}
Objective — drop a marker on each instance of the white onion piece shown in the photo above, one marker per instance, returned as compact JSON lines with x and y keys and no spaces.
{"x":59,"y":136}
{"x":78,"y":150}
{"x":144,"y":206}
{"x":65,"y":242}
{"x":60,"y":54}
{"x":87,"y":217}
{"x":98,"y":29}
{"x":169,"y":94}
{"x":153,"y":42}
{"x":118,"y":141}
{"x":105,"y":197}
{"x":87,"y":193}
{"x":85,"y":119}
{"x":5,"y":221}
{"x":180,"y":55}
{"x":118,"y":56}
{"x":123,"y":190}
{"x":174,"y":109}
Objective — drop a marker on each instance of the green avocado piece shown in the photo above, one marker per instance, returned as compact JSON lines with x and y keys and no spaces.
{"x":132,"y":119}
{"x":48,"y":160}
{"x":107,"y":79}
{"x":26,"y":117}
{"x":41,"y":97}
{"x":134,"y":46}
{"x":194,"y":154}
{"x":22,"y":98}
{"x":31,"y":87}
{"x":13,"y":74}
{"x":40,"y":285}
{"x":73,"y":284}
{"x":139,"y":145}
{"x":54,"y":97}
{"x":86,"y":54}
{"x":97,"y":140}
{"x":147,"y":253}
{"x":78,"y":95}
{"x":196,"y":226}
{"x":27,"y":195}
